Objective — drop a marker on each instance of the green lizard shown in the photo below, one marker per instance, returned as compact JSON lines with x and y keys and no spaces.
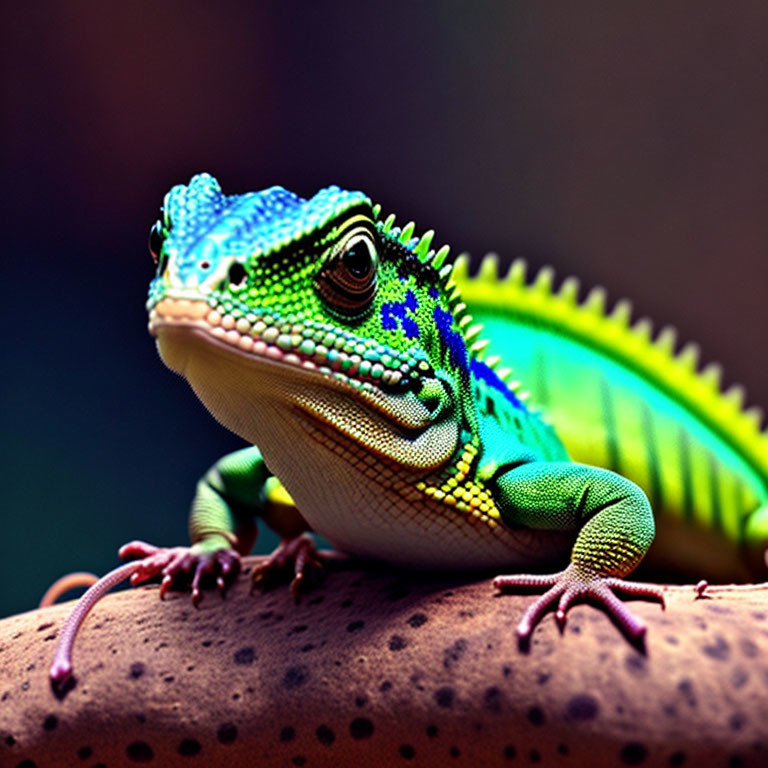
{"x":341,"y":346}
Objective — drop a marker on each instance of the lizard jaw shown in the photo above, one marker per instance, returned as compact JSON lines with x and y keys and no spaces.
{"x":223,"y":364}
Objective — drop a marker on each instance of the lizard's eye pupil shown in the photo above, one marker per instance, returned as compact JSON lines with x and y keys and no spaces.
{"x":358,"y":259}
{"x":347,"y":283}
{"x":156,"y":239}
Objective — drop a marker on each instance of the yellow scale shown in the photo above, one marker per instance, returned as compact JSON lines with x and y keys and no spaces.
{"x":468,"y":496}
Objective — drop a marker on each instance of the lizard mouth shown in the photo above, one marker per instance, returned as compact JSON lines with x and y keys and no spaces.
{"x":259,"y":340}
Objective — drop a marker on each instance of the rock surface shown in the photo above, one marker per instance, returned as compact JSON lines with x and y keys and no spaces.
{"x":382,"y":668}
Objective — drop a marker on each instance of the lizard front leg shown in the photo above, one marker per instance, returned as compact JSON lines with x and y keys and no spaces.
{"x":222,"y":526}
{"x":615,"y":528}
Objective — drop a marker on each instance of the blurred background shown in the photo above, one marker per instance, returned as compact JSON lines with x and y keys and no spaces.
{"x":625,"y":143}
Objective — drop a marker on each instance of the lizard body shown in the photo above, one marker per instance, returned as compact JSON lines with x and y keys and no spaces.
{"x":342,"y":347}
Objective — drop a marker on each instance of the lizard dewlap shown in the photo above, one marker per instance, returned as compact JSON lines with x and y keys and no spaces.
{"x":380,"y":388}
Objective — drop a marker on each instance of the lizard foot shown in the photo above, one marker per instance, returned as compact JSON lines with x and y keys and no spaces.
{"x":299,"y":552}
{"x":574,"y":584}
{"x":182,"y":566}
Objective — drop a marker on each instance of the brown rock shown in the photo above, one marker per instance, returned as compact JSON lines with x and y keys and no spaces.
{"x":385,"y":668}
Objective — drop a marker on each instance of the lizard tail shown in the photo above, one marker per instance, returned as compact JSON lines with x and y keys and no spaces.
{"x":61,"y":668}
{"x":64,"y":584}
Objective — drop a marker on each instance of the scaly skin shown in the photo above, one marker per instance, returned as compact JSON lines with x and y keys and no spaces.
{"x":339,"y":344}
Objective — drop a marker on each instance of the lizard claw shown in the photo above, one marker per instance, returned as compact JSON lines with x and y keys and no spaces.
{"x":183,"y":566}
{"x":574,"y":584}
{"x":308,"y":567}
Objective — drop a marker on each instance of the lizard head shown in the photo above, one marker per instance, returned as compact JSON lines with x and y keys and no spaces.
{"x":308,"y":302}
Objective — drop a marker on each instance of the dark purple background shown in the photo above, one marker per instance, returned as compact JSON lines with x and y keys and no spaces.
{"x":624,"y":142}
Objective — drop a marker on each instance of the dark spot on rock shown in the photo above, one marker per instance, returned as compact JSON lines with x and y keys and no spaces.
{"x":454,"y":752}
{"x":677,"y":758}
{"x":535,"y":756}
{"x":226,"y":733}
{"x":45,"y":626}
{"x":583,"y":706}
{"x":307,"y":648}
{"x":385,"y":686}
{"x":432,"y":731}
{"x":10,"y":741}
{"x":719,"y":649}
{"x":245,"y":655}
{"x":717,"y":608}
{"x":189,"y":748}
{"x":84,"y":753}
{"x":207,"y":643}
{"x":444,"y":697}
{"x":563,"y":749}
{"x":361,"y":701}
{"x":416,"y":680}
{"x":510,"y":753}
{"x":748,"y":647}
{"x":759,"y":615}
{"x":354,"y":626}
{"x":296,"y":676}
{"x":288,"y":733}
{"x":418,"y":620}
{"x":397,"y":643}
{"x":739,"y":677}
{"x":685,"y":686}
{"x":636,"y":663}
{"x":506,"y":670}
{"x":50,"y":723}
{"x":361,"y":728}
{"x":169,"y":679}
{"x":669,"y":710}
{"x":493,"y":699}
{"x":543,"y":678}
{"x":633,"y":753}
{"x":141,"y":719}
{"x":737,"y":721}
{"x":536,"y":716}
{"x":325,"y":735}
{"x":139,"y":752}
{"x":297,"y":629}
{"x":407,"y":752}
{"x":299,"y":760}
{"x":672,"y":640}
{"x":453,"y":654}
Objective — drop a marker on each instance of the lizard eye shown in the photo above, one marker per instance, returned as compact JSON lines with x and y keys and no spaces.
{"x":156,"y":239}
{"x":347,"y":283}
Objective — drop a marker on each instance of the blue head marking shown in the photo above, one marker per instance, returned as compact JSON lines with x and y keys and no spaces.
{"x":452,"y":340}
{"x":206,"y":224}
{"x":394,"y":313}
{"x":482,"y":372}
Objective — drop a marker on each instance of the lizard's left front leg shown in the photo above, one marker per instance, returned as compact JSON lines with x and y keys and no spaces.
{"x":615,"y":528}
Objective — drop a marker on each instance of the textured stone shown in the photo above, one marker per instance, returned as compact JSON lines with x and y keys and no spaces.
{"x":235,"y":682}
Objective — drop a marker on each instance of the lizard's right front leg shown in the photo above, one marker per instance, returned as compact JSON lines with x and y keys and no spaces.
{"x":222,"y":527}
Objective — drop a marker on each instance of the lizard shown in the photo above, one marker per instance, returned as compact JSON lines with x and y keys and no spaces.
{"x":365,"y":368}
